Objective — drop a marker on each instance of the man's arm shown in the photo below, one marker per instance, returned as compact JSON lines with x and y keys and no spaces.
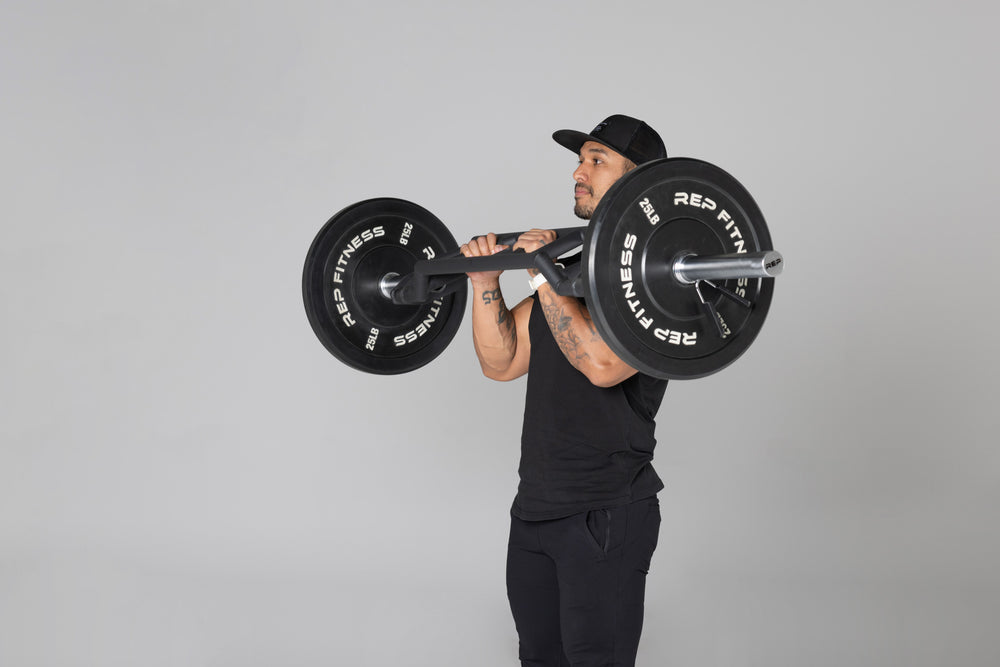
{"x":500,"y":335}
{"x":573,"y":328}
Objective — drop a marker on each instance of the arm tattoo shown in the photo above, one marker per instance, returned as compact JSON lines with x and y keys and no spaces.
{"x":589,"y":321}
{"x":489,"y":296}
{"x":561,"y":325}
{"x":505,"y":319}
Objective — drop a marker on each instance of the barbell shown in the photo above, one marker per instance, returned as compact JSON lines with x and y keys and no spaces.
{"x":675,"y":267}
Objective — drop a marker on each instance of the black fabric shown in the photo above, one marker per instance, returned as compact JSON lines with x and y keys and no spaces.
{"x":576,"y":585}
{"x":583,"y":447}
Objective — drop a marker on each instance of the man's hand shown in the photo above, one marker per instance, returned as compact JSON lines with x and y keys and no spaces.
{"x":531,"y":241}
{"x":483,"y":246}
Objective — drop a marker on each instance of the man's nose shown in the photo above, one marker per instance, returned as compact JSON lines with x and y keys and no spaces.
{"x":580,"y":174}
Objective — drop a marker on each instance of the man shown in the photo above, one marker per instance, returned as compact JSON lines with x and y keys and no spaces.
{"x":585,"y":520}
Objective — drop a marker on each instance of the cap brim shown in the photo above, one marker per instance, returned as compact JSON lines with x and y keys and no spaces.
{"x":574,"y":140}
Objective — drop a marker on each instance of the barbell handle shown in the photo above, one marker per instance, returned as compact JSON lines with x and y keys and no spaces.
{"x":691,"y":268}
{"x":414,"y":287}
{"x":510,"y":238}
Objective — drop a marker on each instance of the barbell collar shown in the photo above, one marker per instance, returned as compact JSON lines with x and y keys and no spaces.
{"x":690,"y":268}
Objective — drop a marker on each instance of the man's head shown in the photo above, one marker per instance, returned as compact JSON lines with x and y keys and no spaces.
{"x":614,"y":147}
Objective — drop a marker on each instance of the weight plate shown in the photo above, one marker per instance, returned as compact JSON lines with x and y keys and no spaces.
{"x":651,"y":216}
{"x":358,"y":324}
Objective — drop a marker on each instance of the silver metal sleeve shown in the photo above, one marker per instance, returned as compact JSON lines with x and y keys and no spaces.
{"x":388,"y":283}
{"x":689,"y":269}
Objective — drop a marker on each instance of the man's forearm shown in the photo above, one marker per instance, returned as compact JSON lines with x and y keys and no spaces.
{"x":493,"y":332}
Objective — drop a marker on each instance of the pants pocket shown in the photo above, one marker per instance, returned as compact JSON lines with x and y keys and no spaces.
{"x":599,"y":527}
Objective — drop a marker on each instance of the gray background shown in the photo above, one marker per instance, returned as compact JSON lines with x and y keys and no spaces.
{"x":188,"y":478}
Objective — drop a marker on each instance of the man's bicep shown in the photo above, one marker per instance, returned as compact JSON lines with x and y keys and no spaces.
{"x":609,"y":369}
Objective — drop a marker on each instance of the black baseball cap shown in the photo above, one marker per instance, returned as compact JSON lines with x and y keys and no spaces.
{"x":623,"y":134}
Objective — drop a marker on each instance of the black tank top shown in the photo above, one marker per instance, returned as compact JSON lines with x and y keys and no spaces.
{"x":583,"y":447}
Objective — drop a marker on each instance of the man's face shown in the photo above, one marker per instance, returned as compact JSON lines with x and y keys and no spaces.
{"x":599,"y":168}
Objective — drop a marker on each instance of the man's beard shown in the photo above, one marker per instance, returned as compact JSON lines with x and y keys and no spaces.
{"x":584,"y":211}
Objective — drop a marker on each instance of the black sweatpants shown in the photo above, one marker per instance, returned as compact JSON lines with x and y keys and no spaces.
{"x":576,"y":585}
